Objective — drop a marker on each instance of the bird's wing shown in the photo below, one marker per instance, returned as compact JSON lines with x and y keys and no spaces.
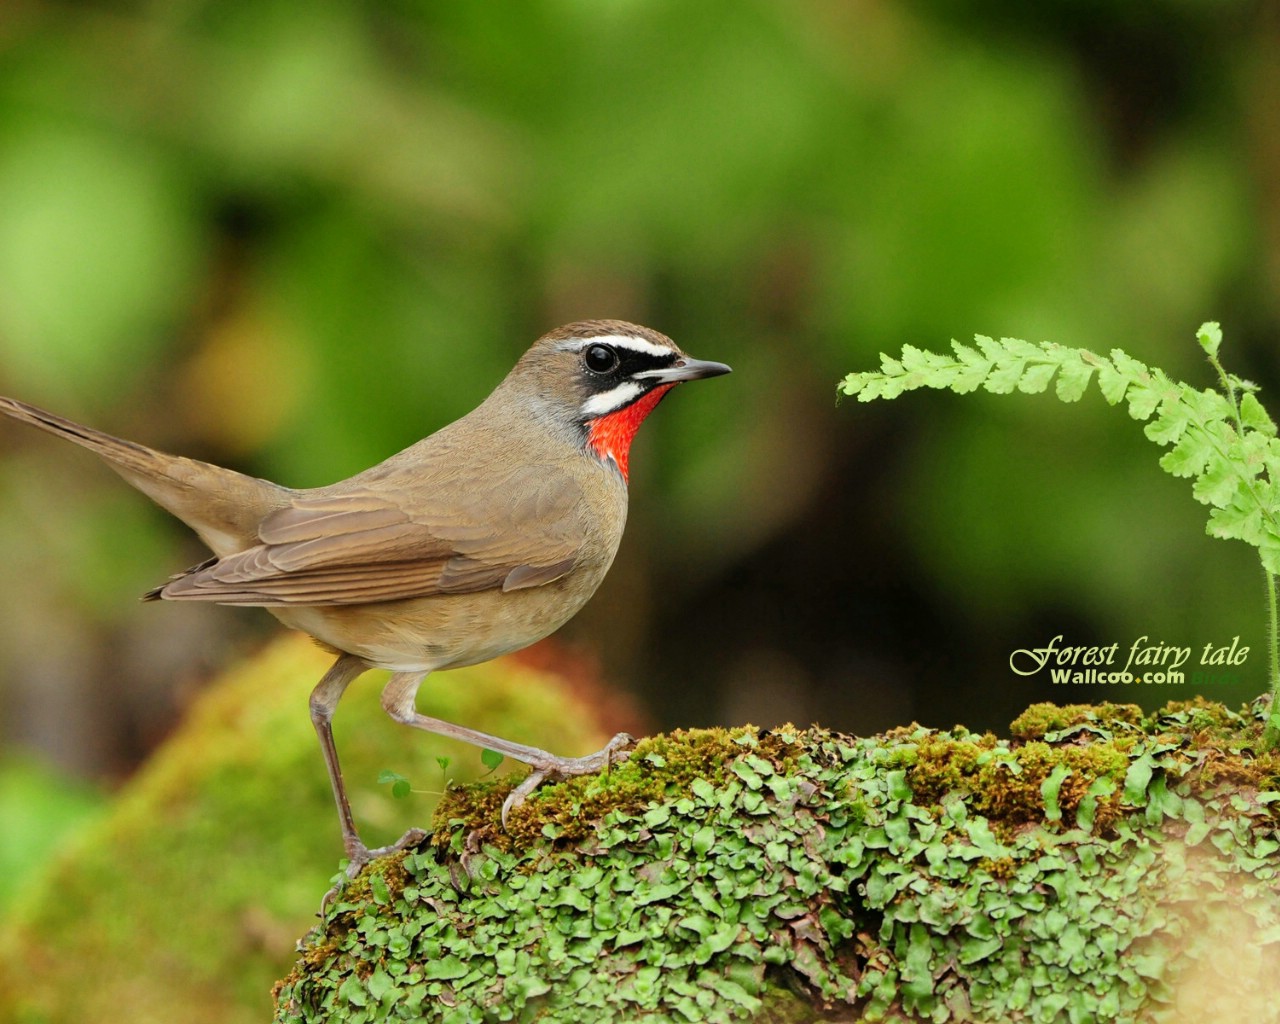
{"x":384,"y":544}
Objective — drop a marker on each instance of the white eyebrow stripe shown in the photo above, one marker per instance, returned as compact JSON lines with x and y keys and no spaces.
{"x":627,"y":341}
{"x":611,"y":400}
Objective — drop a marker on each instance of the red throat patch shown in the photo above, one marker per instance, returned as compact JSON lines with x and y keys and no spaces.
{"x":609,"y":436}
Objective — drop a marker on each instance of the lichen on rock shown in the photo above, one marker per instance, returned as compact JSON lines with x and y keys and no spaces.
{"x":1102,"y":865}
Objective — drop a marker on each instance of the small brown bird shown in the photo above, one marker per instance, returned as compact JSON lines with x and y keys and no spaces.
{"x":476,"y":541}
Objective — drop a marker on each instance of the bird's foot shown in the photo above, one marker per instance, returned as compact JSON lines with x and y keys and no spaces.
{"x":615,"y":751}
{"x":358,"y":855}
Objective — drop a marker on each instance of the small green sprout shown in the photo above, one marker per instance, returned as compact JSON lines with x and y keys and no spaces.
{"x":400,"y":787}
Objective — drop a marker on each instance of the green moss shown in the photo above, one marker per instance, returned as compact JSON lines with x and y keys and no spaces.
{"x":1008,"y":784}
{"x":1096,"y":869}
{"x":564,"y":814}
{"x":1041,"y":719}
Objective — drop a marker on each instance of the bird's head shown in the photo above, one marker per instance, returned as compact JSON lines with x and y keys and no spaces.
{"x":601,"y":378}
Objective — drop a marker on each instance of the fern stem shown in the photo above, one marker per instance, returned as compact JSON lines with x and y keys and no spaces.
{"x":1271,"y":735}
{"x":1228,"y":385}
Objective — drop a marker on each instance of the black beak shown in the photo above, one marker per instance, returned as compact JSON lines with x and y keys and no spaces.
{"x":685,"y":368}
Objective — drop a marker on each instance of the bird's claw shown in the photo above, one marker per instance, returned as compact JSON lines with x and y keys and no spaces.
{"x":358,"y":855}
{"x":614,"y":752}
{"x":363,"y":855}
{"x":517,"y":796}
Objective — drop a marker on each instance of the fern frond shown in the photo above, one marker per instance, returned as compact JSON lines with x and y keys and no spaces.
{"x":1228,"y":449}
{"x":1224,"y":441}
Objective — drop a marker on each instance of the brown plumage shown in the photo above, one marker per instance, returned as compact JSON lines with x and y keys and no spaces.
{"x":478,"y":540}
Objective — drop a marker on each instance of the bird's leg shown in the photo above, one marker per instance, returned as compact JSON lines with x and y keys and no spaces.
{"x":324,"y":699}
{"x":398,"y":699}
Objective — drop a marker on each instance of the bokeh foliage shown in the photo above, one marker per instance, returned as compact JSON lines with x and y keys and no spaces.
{"x":295,"y":236}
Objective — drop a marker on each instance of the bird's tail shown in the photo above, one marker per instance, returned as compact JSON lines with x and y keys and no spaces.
{"x":224,"y":507}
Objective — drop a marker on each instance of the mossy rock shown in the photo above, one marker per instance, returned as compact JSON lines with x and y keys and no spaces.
{"x":183,"y":902}
{"x":1103,"y":866}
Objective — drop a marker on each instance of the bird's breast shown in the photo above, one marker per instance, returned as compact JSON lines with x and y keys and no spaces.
{"x":446,"y":630}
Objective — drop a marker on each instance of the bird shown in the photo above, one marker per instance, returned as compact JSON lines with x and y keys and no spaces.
{"x":474,"y":542}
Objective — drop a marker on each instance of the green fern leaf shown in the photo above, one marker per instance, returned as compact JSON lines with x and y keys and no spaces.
{"x":1073,"y":375}
{"x":1189,"y":455}
{"x":1270,"y":551}
{"x":1210,"y":337}
{"x":1111,"y":382}
{"x":1236,"y":523}
{"x":1168,"y":426}
{"x":1206,"y":405}
{"x":914,"y":360}
{"x":1253,"y":415}
{"x":1003,"y":377}
{"x":1143,"y":400}
{"x":969,"y":379}
{"x":1022,"y":349}
{"x":1270,"y":489}
{"x":889,"y":366}
{"x":971,"y":369}
{"x":1035,"y":378}
{"x":968,"y":356}
{"x":1217,"y":485}
{"x":1128,"y":366}
{"x":1251,"y":452}
{"x":880,"y":387}
{"x":1010,"y":362}
{"x":851,"y":384}
{"x":991,"y":350}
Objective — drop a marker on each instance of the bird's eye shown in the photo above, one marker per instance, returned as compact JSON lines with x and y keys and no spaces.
{"x":600,"y":358}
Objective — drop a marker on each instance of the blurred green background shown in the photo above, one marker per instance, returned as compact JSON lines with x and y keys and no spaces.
{"x":294,"y":236}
